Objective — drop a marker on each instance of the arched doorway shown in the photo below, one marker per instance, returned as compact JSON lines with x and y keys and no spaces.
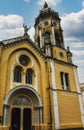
{"x":21,"y":113}
{"x":22,"y":108}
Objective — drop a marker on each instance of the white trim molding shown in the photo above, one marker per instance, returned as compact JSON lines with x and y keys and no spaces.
{"x":54,"y":95}
{"x":79,"y":96}
{"x":12,"y":75}
{"x":36,"y":82}
{"x":53,"y":35}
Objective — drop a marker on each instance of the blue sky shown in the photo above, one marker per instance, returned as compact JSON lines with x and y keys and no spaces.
{"x":13,"y":13}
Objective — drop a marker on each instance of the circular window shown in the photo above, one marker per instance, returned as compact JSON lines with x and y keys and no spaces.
{"x":61,"y":54}
{"x":46,"y":23}
{"x":54,"y":23}
{"x":24,"y":60}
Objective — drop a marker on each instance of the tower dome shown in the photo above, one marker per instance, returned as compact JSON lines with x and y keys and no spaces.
{"x":46,"y":12}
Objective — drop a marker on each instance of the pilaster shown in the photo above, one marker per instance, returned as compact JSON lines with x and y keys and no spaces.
{"x":54,"y":95}
{"x":79,"y":96}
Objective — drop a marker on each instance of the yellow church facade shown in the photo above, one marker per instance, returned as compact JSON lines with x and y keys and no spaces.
{"x":39,"y":87}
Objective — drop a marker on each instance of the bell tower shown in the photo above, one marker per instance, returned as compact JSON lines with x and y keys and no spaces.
{"x":48,"y":32}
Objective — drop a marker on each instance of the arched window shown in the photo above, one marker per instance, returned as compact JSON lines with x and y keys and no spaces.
{"x":21,"y":100}
{"x":38,"y":41}
{"x":29,"y":76}
{"x":57,"y":38}
{"x":47,"y":38}
{"x":17,"y":74}
{"x":64,"y":80}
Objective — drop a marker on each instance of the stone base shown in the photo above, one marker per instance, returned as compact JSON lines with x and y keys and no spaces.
{"x":46,"y":127}
{"x":4,"y":128}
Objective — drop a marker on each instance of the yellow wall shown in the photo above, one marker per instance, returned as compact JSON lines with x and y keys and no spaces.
{"x":66,"y":68}
{"x":68,"y":105}
{"x":9,"y":57}
{"x":56,"y":54}
{"x":69,"y":111}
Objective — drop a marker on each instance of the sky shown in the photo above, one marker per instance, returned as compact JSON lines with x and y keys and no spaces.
{"x":14,"y":13}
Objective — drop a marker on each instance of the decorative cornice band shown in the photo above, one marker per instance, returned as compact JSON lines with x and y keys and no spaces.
{"x":59,"y":61}
{"x":69,"y":91}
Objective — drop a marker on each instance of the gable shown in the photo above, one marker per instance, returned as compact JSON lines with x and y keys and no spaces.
{"x":20,"y":43}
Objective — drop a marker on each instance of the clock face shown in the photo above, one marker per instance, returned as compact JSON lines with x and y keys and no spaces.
{"x":24,"y":60}
{"x":54,"y":23}
{"x":46,"y":23}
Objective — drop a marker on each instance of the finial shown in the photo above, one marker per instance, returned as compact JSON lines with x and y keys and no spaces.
{"x":26,"y":29}
{"x":45,"y":5}
{"x":68,"y":48}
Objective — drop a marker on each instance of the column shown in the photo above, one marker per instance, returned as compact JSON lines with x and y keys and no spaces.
{"x":36,"y":82}
{"x":36,"y":115}
{"x":23,"y":77}
{"x":53,"y":36}
{"x":40,"y":115}
{"x":5,"y":116}
{"x":47,"y":49}
{"x":11,"y":77}
{"x":41,"y":44}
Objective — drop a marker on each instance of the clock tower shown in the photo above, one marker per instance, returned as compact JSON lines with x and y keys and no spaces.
{"x":49,"y":34}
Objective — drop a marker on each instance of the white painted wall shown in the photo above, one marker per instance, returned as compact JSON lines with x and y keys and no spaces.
{"x":54,"y":95}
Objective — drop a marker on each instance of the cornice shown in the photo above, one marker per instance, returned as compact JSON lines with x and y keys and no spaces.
{"x":66,"y":91}
{"x":21,"y":40}
{"x":61,"y":62}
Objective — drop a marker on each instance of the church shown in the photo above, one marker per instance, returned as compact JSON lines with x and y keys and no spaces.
{"x":39,"y":88}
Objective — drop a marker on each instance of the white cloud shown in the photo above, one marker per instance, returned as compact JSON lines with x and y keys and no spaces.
{"x":10,"y":21}
{"x":10,"y":26}
{"x":83,"y":4}
{"x":50,"y":2}
{"x":78,"y":53}
{"x":80,"y":62}
{"x":81,"y":74}
{"x":78,"y":44}
{"x":26,"y":0}
{"x":73,"y":25}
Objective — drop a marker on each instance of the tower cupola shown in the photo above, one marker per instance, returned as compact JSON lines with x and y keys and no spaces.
{"x":48,"y":32}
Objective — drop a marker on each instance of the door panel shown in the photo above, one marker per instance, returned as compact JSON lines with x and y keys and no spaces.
{"x":15,"y":119}
{"x":27,"y":119}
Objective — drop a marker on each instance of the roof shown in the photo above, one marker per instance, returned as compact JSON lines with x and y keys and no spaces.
{"x":21,"y":40}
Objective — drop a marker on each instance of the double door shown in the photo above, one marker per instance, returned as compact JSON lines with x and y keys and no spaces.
{"x":21,"y":119}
